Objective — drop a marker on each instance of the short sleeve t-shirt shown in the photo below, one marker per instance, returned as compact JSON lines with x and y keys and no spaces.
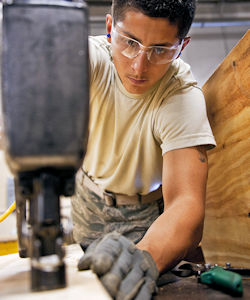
{"x":129,"y":133}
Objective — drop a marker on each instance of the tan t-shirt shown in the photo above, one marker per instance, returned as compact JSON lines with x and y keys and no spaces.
{"x":128,"y":133}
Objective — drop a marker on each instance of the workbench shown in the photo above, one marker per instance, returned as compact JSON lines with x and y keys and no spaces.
{"x":15,"y":283}
{"x":189,"y":289}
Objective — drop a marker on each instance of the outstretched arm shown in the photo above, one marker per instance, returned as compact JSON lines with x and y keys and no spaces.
{"x":179,"y":228}
{"x":131,"y":273}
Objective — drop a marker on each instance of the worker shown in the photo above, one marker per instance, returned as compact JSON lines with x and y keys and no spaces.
{"x":140,"y":194}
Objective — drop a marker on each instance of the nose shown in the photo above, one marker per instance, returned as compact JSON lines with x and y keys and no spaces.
{"x":140,"y":63}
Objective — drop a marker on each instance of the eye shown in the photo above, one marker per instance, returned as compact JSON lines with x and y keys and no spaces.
{"x":159,"y":50}
{"x":131,"y":43}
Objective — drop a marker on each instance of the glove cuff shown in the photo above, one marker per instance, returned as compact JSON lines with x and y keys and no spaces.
{"x":152,"y":265}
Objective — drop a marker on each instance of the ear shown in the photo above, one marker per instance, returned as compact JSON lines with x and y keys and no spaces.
{"x":185,"y":43}
{"x":108,"y":26}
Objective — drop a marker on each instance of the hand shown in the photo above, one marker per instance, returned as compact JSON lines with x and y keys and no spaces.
{"x":124,"y":270}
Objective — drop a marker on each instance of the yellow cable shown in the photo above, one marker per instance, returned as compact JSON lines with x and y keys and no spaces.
{"x":8,"y":211}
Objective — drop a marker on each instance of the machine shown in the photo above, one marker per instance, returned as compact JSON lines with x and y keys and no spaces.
{"x":45,"y":102}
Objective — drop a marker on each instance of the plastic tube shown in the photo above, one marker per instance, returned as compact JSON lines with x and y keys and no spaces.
{"x":8,"y":211}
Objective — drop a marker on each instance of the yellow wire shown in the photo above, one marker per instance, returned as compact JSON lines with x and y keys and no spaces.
{"x":8,"y":211}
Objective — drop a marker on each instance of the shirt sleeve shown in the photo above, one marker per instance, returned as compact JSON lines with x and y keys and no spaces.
{"x":99,"y":58}
{"x":181,"y":121}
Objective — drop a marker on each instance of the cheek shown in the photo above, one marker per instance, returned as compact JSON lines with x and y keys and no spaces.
{"x":122,"y":64}
{"x":158,"y":71}
{"x":118,"y":58}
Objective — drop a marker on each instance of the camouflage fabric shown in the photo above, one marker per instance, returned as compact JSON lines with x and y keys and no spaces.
{"x":92,"y":218}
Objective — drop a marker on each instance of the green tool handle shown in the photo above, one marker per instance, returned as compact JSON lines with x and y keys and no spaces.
{"x":227,"y":281}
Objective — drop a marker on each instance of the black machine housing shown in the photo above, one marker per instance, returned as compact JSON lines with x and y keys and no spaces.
{"x":45,"y":108}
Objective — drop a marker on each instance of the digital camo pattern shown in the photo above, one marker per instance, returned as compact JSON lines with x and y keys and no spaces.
{"x":92,"y":218}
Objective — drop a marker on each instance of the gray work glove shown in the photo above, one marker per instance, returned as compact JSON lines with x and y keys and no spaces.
{"x":124,"y":270}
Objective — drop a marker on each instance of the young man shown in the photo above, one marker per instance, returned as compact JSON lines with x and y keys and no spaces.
{"x":148,"y":134}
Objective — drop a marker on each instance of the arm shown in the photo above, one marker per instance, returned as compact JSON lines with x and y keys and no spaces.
{"x":179,"y":228}
{"x":129,"y":273}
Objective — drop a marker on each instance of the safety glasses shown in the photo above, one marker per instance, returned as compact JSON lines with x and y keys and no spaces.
{"x":132,"y":48}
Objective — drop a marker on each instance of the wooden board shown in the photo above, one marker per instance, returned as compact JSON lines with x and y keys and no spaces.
{"x":227,"y":223}
{"x":15,"y":281}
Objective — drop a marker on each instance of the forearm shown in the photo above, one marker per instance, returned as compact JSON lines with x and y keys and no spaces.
{"x":174,"y":233}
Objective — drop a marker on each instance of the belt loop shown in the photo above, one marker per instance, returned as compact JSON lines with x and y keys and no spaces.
{"x":109,"y":199}
{"x":139,"y":198}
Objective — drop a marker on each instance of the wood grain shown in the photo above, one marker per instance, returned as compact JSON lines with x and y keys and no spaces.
{"x":227,"y":223}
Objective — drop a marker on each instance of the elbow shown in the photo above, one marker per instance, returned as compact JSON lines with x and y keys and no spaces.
{"x":197,"y":235}
{"x":194,"y":253}
{"x":198,"y":229}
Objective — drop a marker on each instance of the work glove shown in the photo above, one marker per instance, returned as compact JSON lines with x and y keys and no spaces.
{"x":125,"y":271}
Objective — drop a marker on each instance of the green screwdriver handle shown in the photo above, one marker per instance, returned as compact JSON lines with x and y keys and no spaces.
{"x":228,"y":281}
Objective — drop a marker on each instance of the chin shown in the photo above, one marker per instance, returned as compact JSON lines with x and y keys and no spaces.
{"x":135,"y":89}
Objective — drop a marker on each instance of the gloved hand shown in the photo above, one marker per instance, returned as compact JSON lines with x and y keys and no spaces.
{"x":124,"y":270}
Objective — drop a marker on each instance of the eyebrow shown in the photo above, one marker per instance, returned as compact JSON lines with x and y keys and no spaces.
{"x":167,"y":44}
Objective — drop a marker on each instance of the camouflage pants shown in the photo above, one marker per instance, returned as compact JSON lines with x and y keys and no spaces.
{"x":92,"y":218}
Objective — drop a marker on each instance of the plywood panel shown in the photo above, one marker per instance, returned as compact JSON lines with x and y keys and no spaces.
{"x":15,"y":281}
{"x":227,"y":223}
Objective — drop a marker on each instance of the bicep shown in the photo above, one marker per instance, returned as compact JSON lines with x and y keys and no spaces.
{"x":184,"y":175}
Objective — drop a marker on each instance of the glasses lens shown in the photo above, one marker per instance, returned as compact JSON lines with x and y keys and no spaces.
{"x":162,"y":55}
{"x":131,"y":51}
{"x":128,"y":47}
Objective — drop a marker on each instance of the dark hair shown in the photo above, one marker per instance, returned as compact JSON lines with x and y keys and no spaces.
{"x":178,"y":12}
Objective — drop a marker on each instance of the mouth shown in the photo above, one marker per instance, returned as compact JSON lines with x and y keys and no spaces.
{"x":136,"y":81}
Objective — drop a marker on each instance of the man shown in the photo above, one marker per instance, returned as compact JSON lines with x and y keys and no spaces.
{"x":148,"y":132}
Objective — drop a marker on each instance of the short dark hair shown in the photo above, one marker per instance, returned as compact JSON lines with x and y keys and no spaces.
{"x":178,"y":12}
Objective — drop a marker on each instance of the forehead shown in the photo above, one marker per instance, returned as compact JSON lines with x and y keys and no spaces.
{"x":147,"y":29}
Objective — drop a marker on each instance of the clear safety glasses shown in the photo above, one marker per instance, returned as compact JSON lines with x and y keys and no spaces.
{"x":155,"y":54}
